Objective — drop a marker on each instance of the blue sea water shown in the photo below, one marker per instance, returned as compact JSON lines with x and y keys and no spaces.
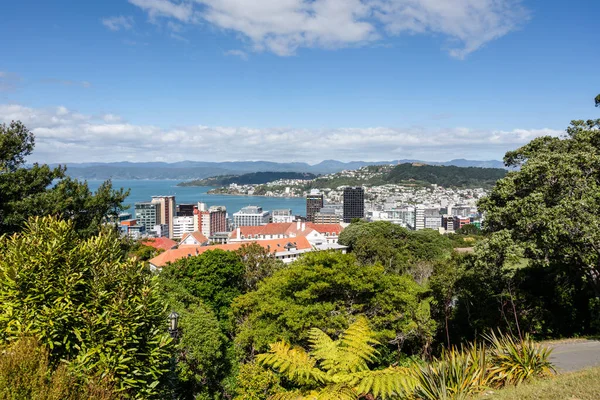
{"x":143,"y":190}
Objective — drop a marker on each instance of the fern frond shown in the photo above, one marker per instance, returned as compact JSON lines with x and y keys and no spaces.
{"x":294,"y":363}
{"x":295,"y":395}
{"x":385,"y":383}
{"x":337,"y":392}
{"x":356,"y":347}
{"x":324,"y":349}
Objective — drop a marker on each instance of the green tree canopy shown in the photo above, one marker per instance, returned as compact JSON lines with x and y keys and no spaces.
{"x":551,"y":205}
{"x":393,"y":246}
{"x":215,"y":277}
{"x":328,"y":290}
{"x":85,"y":302}
{"x":39,"y":190}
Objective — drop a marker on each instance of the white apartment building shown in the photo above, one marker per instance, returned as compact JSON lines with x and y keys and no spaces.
{"x":182,"y":225}
{"x":282,"y":216}
{"x":419,"y":218}
{"x":251,"y":216}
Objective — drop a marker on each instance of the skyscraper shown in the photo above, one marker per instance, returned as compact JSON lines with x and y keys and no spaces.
{"x":167,"y":211}
{"x":147,"y":214}
{"x":314,"y":203}
{"x":354,"y":203}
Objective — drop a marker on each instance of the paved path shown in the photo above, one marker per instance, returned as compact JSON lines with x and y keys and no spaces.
{"x":576,"y":355}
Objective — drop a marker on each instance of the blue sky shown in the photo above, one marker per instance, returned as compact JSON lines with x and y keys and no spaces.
{"x":282,"y":80}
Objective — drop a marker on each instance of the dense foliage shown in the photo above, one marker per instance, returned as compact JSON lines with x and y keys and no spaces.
{"x":85,"y":302}
{"x":398,"y":249}
{"x":39,"y":190}
{"x":550,"y":206}
{"x":253,"y":178}
{"x":447,"y":176}
{"x":326,"y":291}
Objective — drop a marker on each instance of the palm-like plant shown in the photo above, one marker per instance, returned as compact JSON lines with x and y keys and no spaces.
{"x":516,"y":361}
{"x":337,"y":369}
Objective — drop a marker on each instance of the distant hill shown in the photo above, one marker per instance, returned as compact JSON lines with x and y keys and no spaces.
{"x":445,"y":175}
{"x":253,"y":178}
{"x":188,"y":170}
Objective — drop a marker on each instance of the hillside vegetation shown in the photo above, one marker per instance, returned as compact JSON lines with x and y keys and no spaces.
{"x":254,"y":178}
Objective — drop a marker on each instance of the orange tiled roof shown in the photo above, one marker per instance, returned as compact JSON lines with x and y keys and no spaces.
{"x":200,"y":238}
{"x":274,"y":246}
{"x":268,"y":229}
{"x":160,"y":243}
{"x":326,"y":228}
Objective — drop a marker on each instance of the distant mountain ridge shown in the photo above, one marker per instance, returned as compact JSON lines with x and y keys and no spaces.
{"x":187,"y":170}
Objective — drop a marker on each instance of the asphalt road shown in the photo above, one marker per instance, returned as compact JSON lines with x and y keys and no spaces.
{"x":576,"y":355}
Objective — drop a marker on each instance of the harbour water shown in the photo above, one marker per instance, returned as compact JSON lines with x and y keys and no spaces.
{"x":143,"y":190}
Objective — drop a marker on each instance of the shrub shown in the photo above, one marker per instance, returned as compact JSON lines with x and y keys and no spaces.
{"x":516,"y":361}
{"x":25,"y":373}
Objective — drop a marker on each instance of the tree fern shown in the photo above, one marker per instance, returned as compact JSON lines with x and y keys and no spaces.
{"x":342,"y":372}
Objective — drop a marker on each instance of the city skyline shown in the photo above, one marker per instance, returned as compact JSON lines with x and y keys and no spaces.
{"x":159,"y":80}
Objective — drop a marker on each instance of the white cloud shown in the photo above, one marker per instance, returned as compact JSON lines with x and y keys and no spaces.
{"x":237,"y":53}
{"x":63,"y":135}
{"x":118,"y":23}
{"x":283,"y":26}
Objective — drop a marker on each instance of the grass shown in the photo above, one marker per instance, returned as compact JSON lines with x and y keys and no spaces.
{"x":581,"y":385}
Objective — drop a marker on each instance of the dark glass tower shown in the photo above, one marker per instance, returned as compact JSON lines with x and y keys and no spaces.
{"x":354,"y":203}
{"x":314,"y":203}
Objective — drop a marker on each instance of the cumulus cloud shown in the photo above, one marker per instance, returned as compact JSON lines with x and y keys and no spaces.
{"x":64,"y":135}
{"x":283,"y":26}
{"x":118,"y":23}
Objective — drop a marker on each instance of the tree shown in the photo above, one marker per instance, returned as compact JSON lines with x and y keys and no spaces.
{"x":215,"y":277}
{"x":469,"y":229}
{"x":327,"y":290}
{"x":337,"y":369}
{"x":39,"y":190}
{"x":85,"y":303}
{"x":393,"y":246}
{"x":259,"y":264}
{"x":597,"y":101}
{"x":551,"y":205}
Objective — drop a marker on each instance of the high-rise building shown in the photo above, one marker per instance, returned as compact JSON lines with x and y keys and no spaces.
{"x":147,"y":214}
{"x":327,"y":216}
{"x":217,"y":220}
{"x":354,"y":203}
{"x":314,"y":203}
{"x":251,"y":216}
{"x":419,"y":218}
{"x":182,"y":225}
{"x":167,"y":211}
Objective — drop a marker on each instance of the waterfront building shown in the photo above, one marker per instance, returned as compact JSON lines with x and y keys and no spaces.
{"x":167,"y":211}
{"x":354,"y":203}
{"x":282,"y":216}
{"x":314,"y":203}
{"x":251,"y":216}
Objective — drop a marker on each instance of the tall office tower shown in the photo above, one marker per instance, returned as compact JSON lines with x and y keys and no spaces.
{"x":354,"y":203}
{"x":147,"y":214}
{"x":167,"y":211}
{"x":419,"y":218}
{"x":217,"y":220}
{"x":314,"y":203}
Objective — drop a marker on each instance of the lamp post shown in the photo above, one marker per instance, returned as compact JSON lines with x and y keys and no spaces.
{"x":173,"y":324}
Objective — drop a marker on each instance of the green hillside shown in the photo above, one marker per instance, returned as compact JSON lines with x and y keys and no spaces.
{"x":254,"y":178}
